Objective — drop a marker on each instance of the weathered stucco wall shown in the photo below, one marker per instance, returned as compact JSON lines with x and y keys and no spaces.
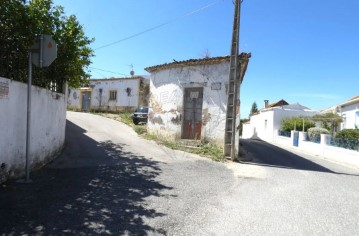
{"x":73,"y":98}
{"x":166,"y":99}
{"x":48,"y":120}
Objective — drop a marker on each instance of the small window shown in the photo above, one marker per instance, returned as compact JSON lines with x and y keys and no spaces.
{"x":113,"y":95}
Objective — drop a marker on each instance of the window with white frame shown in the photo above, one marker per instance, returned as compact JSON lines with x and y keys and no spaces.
{"x":113,"y":95}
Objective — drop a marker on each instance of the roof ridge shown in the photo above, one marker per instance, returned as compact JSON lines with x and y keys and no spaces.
{"x":194,"y":62}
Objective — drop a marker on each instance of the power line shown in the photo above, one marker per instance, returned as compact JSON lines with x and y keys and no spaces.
{"x":108,"y":71}
{"x":161,"y":25}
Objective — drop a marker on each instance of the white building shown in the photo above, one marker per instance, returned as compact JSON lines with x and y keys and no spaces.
{"x":188,"y":99}
{"x":267,"y":121}
{"x":112,"y":94}
{"x":349,"y":110}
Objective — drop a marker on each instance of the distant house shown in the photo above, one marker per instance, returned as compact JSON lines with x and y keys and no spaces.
{"x":267,"y":121}
{"x":349,"y":111}
{"x":112,"y":94}
{"x":188,"y":99}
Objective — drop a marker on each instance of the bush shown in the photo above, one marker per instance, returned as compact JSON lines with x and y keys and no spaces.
{"x":348,"y":134}
{"x":316,"y":132}
{"x":288,"y":124}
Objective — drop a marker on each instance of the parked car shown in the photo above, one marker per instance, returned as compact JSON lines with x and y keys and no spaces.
{"x":140,"y":115}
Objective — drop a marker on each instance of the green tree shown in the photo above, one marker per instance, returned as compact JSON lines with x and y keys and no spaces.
{"x":21,"y":22}
{"x":296,"y":123}
{"x":329,"y":121}
{"x":254,"y":109}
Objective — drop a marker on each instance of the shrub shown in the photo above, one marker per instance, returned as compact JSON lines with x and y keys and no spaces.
{"x":316,"y":132}
{"x":348,"y":134}
{"x":329,"y":121}
{"x":288,"y":124}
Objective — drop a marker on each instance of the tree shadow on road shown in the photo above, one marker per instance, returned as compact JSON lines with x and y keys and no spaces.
{"x":93,"y":188}
{"x":266,"y":154}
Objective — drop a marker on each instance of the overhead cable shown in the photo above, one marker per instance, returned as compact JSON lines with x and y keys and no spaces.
{"x":161,"y":25}
{"x":108,"y":71}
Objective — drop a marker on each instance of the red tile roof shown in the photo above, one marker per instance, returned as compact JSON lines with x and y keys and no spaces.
{"x":204,"y":61}
{"x":124,"y":78}
{"x":281,"y":102}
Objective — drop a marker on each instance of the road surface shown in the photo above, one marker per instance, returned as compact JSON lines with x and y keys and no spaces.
{"x":109,"y":181}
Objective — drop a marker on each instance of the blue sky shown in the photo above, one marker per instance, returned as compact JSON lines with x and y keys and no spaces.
{"x":302,"y":51}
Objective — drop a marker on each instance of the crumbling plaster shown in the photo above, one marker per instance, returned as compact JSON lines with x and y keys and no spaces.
{"x":166,"y":100}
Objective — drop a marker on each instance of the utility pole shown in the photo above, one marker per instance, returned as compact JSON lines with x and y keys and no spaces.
{"x":233,"y":87}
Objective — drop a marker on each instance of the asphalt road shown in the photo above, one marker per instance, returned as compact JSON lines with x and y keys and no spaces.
{"x":108,"y":181}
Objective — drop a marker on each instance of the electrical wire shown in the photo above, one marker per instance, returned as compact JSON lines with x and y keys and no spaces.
{"x":161,"y":25}
{"x":108,"y":71}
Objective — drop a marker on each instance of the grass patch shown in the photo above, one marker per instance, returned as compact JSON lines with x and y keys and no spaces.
{"x":209,"y":150}
{"x":140,"y":129}
{"x":126,"y":118}
{"x":149,"y":136}
{"x":212,"y":151}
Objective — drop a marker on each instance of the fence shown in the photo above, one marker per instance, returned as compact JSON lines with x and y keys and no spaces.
{"x":345,"y":143}
{"x":284,"y":133}
{"x":341,"y":151}
{"x":313,"y":139}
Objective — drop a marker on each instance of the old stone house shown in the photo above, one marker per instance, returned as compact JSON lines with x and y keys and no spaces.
{"x":188,"y":99}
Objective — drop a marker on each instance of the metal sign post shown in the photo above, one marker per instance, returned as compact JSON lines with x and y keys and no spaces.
{"x":42,"y":53}
{"x":28,"y":122}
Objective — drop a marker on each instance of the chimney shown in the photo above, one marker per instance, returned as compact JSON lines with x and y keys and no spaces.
{"x":266,"y":103}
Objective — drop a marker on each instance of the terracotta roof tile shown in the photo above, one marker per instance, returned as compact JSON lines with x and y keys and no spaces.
{"x":281,"y":102}
{"x":204,"y":61}
{"x":124,"y":78}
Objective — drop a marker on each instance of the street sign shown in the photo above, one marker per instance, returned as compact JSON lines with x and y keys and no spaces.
{"x":44,"y":51}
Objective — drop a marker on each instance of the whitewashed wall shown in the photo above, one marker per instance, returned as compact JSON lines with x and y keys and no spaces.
{"x":120,"y":85}
{"x":48,"y":122}
{"x":322,"y":149}
{"x":265,"y":124}
{"x":166,"y":100}
{"x":123,"y":98}
{"x":351,"y":118}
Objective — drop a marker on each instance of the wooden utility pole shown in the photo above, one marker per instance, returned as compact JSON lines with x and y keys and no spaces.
{"x":233,"y":87}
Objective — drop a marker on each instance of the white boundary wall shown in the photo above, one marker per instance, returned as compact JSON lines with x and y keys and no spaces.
{"x":48,"y":121}
{"x":336,"y":154}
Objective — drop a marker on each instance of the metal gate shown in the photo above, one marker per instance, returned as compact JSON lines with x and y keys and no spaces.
{"x":192,"y":122}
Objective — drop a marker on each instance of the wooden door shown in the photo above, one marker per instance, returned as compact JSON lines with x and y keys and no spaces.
{"x":86,"y":101}
{"x":192,"y":122}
